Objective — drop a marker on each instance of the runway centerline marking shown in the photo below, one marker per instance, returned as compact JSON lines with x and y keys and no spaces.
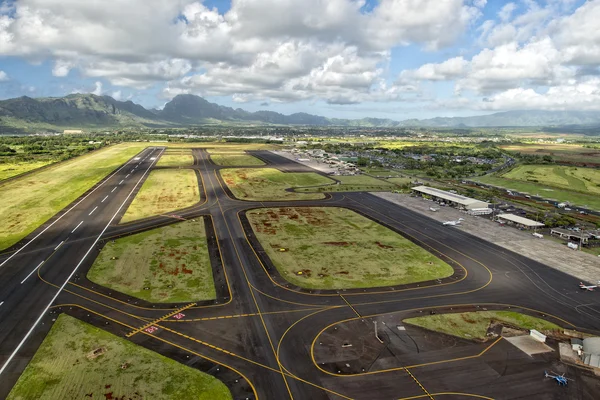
{"x":105,"y":197}
{"x":91,"y":212}
{"x":35,"y":269}
{"x":69,"y":210}
{"x":60,"y":244}
{"x":127,"y":176}
{"x":115,"y":188}
{"x":78,"y":225}
{"x":60,"y":289}
{"x":121,"y":181}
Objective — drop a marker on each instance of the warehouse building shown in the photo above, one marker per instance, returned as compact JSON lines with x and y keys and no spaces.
{"x":520,"y":222}
{"x":454,"y":199}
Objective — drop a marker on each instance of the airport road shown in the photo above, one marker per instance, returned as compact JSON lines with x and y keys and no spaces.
{"x":258,"y":335}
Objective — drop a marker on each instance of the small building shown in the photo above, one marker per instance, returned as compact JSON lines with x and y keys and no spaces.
{"x":480,"y":211}
{"x":521,"y":222}
{"x":72,"y":131}
{"x":566,"y":234}
{"x":452,"y":198}
{"x":590,"y":354}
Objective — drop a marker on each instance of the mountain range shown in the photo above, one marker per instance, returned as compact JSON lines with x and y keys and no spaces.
{"x":26,"y":114}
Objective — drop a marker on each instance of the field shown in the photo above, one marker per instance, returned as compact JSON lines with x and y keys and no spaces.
{"x":566,"y":153}
{"x":171,"y":262}
{"x":400,"y":181}
{"x":164,"y":190}
{"x":354,"y":183}
{"x":175,"y":160}
{"x":30,"y":201}
{"x":335,"y":248}
{"x":61,"y":369}
{"x":235,"y":160}
{"x":474,"y":325}
{"x":579,"y":179}
{"x":580,"y":199}
{"x":264,"y":184}
{"x":8,"y":170}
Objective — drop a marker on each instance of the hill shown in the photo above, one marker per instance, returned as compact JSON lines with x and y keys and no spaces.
{"x":26,"y":114}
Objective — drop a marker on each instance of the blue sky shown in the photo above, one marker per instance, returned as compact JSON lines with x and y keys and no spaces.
{"x":340,"y":58}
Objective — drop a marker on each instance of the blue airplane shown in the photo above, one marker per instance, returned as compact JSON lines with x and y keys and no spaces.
{"x":560,"y":379}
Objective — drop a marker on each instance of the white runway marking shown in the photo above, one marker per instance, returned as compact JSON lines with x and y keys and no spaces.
{"x":104,"y":199}
{"x":1,"y":302}
{"x":91,"y":212}
{"x":58,"y":219}
{"x":22,"y":342}
{"x":35,"y":269}
{"x":115,"y":188}
{"x":127,"y":176}
{"x":60,"y":244}
{"x":77,"y":227}
{"x":121,"y":181}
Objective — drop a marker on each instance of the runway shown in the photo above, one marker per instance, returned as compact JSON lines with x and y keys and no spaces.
{"x":261,"y":335}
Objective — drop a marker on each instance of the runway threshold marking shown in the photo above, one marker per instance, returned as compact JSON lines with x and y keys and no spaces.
{"x":420,"y":385}
{"x":91,"y":212}
{"x":78,"y":225}
{"x":156,"y":321}
{"x":105,"y":197}
{"x":35,"y":269}
{"x":61,"y":288}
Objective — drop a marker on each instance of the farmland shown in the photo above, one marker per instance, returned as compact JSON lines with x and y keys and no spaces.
{"x":564,"y":153}
{"x":63,"y":368}
{"x":335,"y":248}
{"x":168,"y":264}
{"x":585,"y":180}
{"x":29,"y":201}
{"x":474,"y":325}
{"x":263,"y":184}
{"x":165,"y":190}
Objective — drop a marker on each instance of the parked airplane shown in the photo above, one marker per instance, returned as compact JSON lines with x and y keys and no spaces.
{"x":454,"y":223}
{"x":588,"y":287}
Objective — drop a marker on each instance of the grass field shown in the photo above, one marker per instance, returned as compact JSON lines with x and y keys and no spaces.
{"x":335,"y":248}
{"x":235,"y":160}
{"x":164,"y":190}
{"x":8,"y":170}
{"x":28,"y":202}
{"x":589,"y":200}
{"x":474,"y":325}
{"x":573,"y":178}
{"x":381,"y":172}
{"x":400,"y":181}
{"x":61,"y":370}
{"x":175,"y":160}
{"x":354,"y":183}
{"x":570,"y":153}
{"x":264,"y":184}
{"x":171,"y":262}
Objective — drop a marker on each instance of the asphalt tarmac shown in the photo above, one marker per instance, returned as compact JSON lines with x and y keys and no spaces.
{"x":261,"y":336}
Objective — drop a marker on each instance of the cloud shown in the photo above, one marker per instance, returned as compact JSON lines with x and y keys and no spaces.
{"x":3,"y":76}
{"x":447,"y":70}
{"x":117,"y":95}
{"x":97,"y":89}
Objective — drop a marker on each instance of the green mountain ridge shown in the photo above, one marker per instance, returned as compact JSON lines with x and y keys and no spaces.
{"x":26,"y":114}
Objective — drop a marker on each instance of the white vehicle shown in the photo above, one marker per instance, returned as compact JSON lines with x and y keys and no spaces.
{"x":573,"y":246}
{"x":538,"y":235}
{"x":433,"y":209}
{"x":454,"y":223}
{"x":588,"y":287}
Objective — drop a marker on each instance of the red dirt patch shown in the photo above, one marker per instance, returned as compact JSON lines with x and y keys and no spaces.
{"x":384,"y":246}
{"x":185,"y":270}
{"x":338,"y":243}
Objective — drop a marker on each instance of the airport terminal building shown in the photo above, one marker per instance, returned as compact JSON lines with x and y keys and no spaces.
{"x":453,"y":199}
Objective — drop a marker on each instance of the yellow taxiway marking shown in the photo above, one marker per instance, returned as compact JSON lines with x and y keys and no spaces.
{"x":448,"y":394}
{"x":419,"y":383}
{"x":149,"y":324}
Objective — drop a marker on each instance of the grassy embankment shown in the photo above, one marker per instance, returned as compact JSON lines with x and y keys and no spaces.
{"x":61,"y":369}
{"x":9,"y":170}
{"x":172,"y":262}
{"x":28,"y":202}
{"x":358,"y":183}
{"x":235,"y":159}
{"x":264,"y":184}
{"x":474,"y":325}
{"x":573,"y":184}
{"x":335,"y":248}
{"x":163,"y":191}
